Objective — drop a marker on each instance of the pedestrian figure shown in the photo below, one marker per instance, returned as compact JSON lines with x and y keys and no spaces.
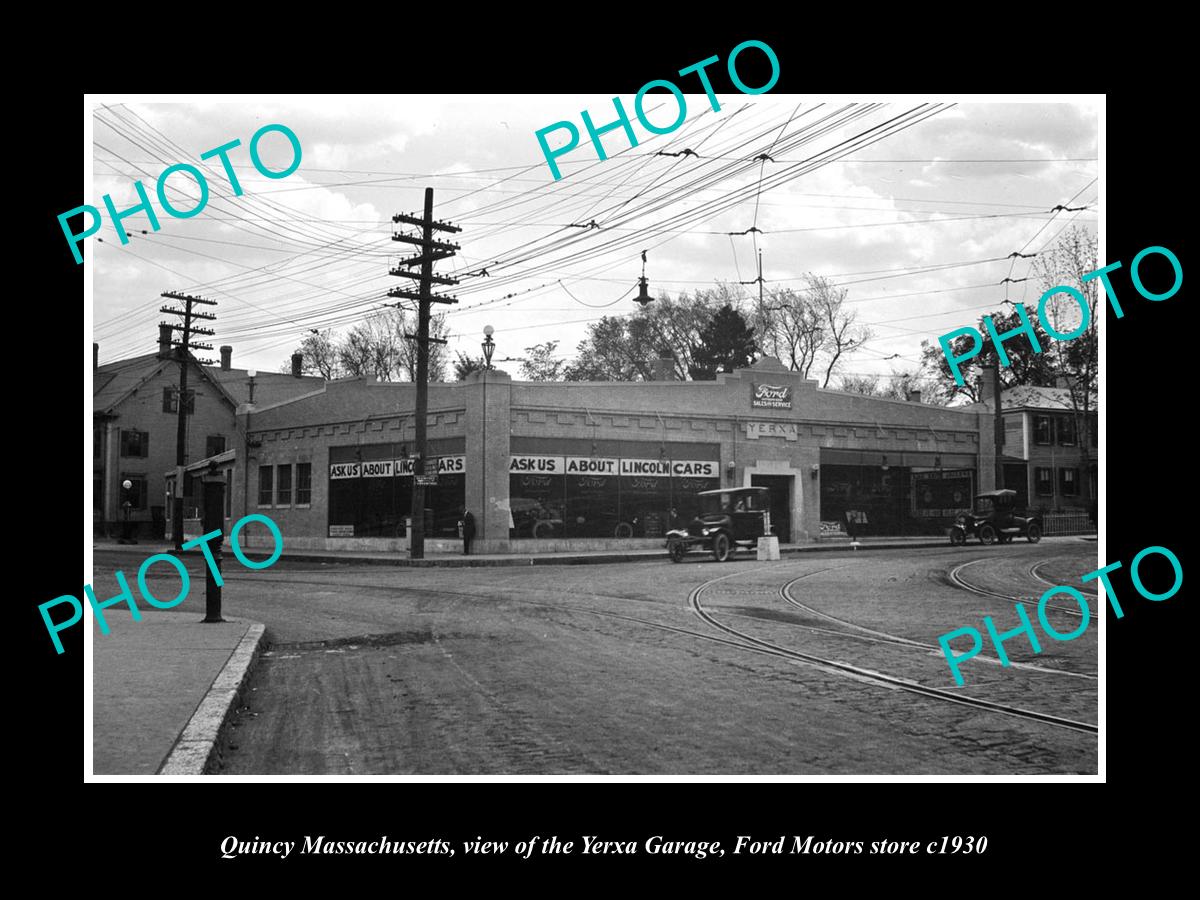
{"x":467,"y":528}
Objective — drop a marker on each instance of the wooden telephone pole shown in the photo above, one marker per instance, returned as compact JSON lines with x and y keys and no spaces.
{"x":183,"y":349}
{"x":430,"y":252}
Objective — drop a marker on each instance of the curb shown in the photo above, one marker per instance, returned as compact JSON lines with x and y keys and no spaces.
{"x":581,"y":560}
{"x":450,"y":562}
{"x":199,"y":747}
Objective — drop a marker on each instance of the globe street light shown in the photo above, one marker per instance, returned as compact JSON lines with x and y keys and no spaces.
{"x":126,"y":506}
{"x":488,"y":346}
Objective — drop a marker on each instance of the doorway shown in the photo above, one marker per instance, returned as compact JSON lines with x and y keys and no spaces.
{"x":780,"y":492}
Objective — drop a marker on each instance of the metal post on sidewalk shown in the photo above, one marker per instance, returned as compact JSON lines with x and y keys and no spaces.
{"x":214,"y":508}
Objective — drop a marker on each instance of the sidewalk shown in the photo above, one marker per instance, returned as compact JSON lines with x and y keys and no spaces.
{"x":162,"y":688}
{"x":568,"y":558}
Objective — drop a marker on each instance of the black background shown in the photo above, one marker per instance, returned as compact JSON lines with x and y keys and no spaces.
{"x":174,"y":830}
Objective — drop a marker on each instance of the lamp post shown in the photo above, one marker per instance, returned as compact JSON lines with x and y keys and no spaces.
{"x":126,"y":505}
{"x":488,"y":346}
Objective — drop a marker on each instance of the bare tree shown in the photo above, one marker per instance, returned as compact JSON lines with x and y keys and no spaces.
{"x":406,"y":324}
{"x":1076,"y":360}
{"x":867,"y":385}
{"x":380,"y":345}
{"x":842,"y":334}
{"x":810,"y":328}
{"x":320,"y":356}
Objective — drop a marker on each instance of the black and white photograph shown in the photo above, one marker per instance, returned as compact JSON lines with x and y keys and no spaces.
{"x":703,"y":431}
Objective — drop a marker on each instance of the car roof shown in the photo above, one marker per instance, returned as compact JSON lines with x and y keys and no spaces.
{"x":994,"y":494}
{"x":737,"y":490}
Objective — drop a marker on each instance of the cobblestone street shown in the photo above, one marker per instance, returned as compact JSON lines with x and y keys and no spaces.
{"x":611,"y":669}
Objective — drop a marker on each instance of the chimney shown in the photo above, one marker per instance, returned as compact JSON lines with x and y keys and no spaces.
{"x":297,"y":363}
{"x":914,"y":396}
{"x":95,"y":356}
{"x":164,"y":338}
{"x":226,"y":358}
{"x":664,"y":368}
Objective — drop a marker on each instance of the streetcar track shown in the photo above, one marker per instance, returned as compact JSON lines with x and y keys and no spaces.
{"x":958,"y":581}
{"x":883,"y":637}
{"x":744,"y":642}
{"x":1033,"y":571}
{"x":878,"y":678}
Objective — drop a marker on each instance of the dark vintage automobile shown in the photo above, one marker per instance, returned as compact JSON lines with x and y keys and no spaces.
{"x":993,"y":520}
{"x":730,"y":518}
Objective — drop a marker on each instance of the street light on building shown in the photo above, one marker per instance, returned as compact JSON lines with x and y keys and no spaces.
{"x":250,"y":373}
{"x":488,"y":345}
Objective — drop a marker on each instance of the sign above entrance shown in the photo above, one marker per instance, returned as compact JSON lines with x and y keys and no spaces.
{"x":771,"y":396}
{"x":786,"y":430}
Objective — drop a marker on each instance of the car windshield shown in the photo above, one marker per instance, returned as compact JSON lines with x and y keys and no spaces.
{"x":725,"y":503}
{"x":715,"y":504}
{"x":984,"y":504}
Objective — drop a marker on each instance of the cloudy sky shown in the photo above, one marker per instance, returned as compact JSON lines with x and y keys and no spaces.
{"x":913,"y":205}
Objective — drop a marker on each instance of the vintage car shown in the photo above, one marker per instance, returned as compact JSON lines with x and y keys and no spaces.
{"x":532,"y":518}
{"x":993,"y":520}
{"x":729,"y":518}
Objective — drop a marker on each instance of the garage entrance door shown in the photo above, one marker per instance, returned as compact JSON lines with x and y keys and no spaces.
{"x":780,"y":488}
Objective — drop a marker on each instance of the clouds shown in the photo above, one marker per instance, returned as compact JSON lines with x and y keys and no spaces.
{"x":313,"y":249}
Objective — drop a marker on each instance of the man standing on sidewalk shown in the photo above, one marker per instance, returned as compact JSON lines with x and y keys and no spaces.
{"x":467,"y":528}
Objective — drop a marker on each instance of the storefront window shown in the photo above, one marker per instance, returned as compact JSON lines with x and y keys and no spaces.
{"x":371,"y":489}
{"x":535,"y":491}
{"x":872,"y":500}
{"x":627,"y":489}
{"x":591,"y":497}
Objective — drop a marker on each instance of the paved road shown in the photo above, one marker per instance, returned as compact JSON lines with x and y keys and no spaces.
{"x":607,"y":669}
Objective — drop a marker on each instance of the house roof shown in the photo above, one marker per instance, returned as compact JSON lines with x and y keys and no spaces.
{"x":113,"y":382}
{"x":1025,"y":396}
{"x":269,"y":387}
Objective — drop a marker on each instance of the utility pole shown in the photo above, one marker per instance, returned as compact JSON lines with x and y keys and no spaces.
{"x":998,"y":426}
{"x":430,"y":252}
{"x":183,"y":348}
{"x":760,"y":280}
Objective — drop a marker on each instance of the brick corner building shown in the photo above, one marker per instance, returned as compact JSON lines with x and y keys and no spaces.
{"x":582,"y":465}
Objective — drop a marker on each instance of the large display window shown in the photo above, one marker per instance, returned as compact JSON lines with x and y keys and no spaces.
{"x":371,"y":490}
{"x":606,"y":489}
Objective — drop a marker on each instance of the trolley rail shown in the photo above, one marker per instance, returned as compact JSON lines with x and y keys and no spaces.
{"x":959,"y":581}
{"x":862,"y":674}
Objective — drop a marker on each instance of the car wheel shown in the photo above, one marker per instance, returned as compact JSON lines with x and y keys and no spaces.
{"x":987,"y":534}
{"x":542,"y":529}
{"x":1034,"y":533}
{"x":721,"y":549}
{"x":677,"y":550}
{"x":623,"y":530}
{"x":958,"y":537}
